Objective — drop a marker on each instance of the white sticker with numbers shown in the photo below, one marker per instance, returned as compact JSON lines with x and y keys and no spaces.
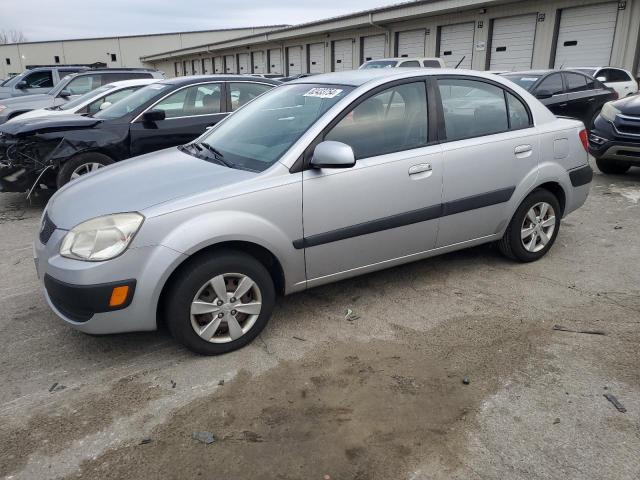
{"x":323,"y":92}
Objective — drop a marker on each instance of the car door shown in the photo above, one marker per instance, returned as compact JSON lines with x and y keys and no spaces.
{"x":582,"y":97}
{"x":552,"y":85}
{"x":489,"y":147}
{"x":386,"y":207}
{"x":188,"y":112}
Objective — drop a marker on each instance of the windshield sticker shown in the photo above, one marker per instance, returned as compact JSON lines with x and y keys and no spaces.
{"x":323,"y":92}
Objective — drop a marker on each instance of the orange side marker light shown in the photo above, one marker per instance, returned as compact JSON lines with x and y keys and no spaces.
{"x":119,"y":296}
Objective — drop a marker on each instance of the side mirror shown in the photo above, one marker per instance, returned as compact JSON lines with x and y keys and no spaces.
{"x":330,"y":154}
{"x":64,"y":94}
{"x":21,"y":85}
{"x":154,"y":116}
{"x":105,"y":105}
{"x":542,"y":94}
{"x":601,"y":79}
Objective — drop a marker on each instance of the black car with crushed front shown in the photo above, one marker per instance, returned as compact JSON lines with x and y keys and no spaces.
{"x":615,"y":139}
{"x":51,"y":151}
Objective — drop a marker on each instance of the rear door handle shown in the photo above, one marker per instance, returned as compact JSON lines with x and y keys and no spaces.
{"x":522,"y":149}
{"x":420,"y":168}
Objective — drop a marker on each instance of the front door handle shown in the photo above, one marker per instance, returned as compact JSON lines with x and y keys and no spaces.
{"x":420,"y":168}
{"x":522,"y":149}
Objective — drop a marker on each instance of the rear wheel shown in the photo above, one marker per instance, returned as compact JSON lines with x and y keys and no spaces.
{"x":533,"y":228}
{"x":220,"y":303}
{"x":612,"y":167}
{"x":81,"y":165}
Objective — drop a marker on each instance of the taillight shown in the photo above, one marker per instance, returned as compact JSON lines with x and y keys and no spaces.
{"x":584,"y":139}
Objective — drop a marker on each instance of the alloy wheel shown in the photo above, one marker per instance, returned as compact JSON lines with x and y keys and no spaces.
{"x":85,"y":168}
{"x":538,"y":227}
{"x":226,"y":307}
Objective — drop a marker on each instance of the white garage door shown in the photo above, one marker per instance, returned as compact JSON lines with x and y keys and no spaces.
{"x":275,"y":60}
{"x":411,"y":43}
{"x":342,"y":55}
{"x":218,"y":63}
{"x":316,"y":58}
{"x":206,"y":65}
{"x":195,"y":67}
{"x":244,"y":63}
{"x":373,"y":47}
{"x":230,"y":64}
{"x":258,"y":62}
{"x":294,"y":60}
{"x":512,"y":42}
{"x":585,"y":36}
{"x":456,"y":44}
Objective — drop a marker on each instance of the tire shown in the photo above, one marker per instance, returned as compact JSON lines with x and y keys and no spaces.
{"x":612,"y":167}
{"x":188,"y":286}
{"x":66,"y":173}
{"x":512,"y":245}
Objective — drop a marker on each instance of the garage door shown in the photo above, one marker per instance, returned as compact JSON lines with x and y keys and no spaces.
{"x":316,"y":58}
{"x":275,"y":60}
{"x":206,"y":65}
{"x":411,"y":43}
{"x":342,"y":55}
{"x":258,"y":62}
{"x":373,"y":47}
{"x":585,"y":36}
{"x":512,"y":43}
{"x":218,"y":63}
{"x":195,"y":67}
{"x":230,"y":64}
{"x":244,"y":63}
{"x":294,"y":60}
{"x":456,"y":44}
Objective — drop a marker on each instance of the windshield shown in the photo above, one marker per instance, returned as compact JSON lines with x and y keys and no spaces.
{"x":379,"y":64}
{"x":524,"y":81}
{"x":132,"y":102}
{"x":257,"y":135}
{"x":61,"y":85}
{"x":15,"y":79}
{"x":86,"y":97}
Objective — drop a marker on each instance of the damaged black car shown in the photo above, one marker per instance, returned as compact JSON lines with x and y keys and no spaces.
{"x":50,"y":152}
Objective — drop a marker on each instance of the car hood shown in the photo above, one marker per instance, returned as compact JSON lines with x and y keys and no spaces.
{"x":41,"y":100}
{"x":629,"y":105}
{"x":137,"y":184}
{"x":38,"y":113}
{"x":26,"y":126}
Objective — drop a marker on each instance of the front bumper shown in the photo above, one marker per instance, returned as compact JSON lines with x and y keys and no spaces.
{"x":78,"y":291}
{"x":607,"y":143}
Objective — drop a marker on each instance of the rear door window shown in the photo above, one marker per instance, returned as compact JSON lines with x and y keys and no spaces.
{"x":410,"y":64}
{"x":551,"y":84}
{"x":575,"y":82}
{"x":431,"y":64}
{"x":192,"y":101}
{"x":472,"y":108}
{"x":391,"y":121}
{"x":242,"y":93}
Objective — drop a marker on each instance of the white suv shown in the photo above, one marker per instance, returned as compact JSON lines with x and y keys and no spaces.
{"x":620,"y":80}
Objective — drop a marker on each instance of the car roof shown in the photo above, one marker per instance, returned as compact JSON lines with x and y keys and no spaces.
{"x":133,"y":83}
{"x":532,"y":72}
{"x":220,"y":78}
{"x":399,"y":59}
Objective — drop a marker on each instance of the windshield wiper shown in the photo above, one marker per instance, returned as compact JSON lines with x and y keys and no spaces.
{"x":216,"y":153}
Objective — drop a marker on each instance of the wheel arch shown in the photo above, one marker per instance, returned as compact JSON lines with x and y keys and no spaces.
{"x":558,"y":191}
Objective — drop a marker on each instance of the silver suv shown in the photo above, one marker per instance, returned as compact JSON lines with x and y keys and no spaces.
{"x":318,"y":180}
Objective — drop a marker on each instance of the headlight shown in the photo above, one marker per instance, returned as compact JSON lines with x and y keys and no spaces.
{"x":609,"y":112}
{"x":101,"y":238}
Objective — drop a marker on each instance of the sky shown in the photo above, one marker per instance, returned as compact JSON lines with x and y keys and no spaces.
{"x":62,"y":19}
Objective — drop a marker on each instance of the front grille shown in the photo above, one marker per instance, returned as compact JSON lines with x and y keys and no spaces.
{"x":46,"y":230}
{"x":627,"y":124}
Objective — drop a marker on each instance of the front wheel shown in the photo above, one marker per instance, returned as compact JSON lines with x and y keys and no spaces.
{"x":533,"y":228}
{"x":220,"y":302}
{"x":612,"y":167}
{"x":81,"y":165}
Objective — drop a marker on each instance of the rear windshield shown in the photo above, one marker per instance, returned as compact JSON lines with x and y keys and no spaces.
{"x":379,"y":64}
{"x":524,"y":81}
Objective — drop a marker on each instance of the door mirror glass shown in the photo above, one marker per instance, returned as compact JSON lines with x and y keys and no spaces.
{"x":330,"y":154}
{"x":542,"y":94}
{"x":64,"y":94}
{"x":105,"y":105}
{"x":21,"y":85}
{"x":153,"y":116}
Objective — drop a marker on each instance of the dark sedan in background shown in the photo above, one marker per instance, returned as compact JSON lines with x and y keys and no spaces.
{"x":53,"y":151}
{"x":615,"y":139}
{"x":566,"y":93}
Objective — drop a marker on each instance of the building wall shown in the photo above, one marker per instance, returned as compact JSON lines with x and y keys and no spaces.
{"x":127,"y":50}
{"x":624,"y":52}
